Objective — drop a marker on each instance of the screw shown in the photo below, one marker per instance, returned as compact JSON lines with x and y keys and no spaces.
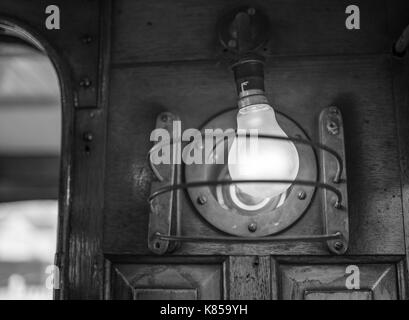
{"x":88,"y":136}
{"x":85,"y":82}
{"x":201,"y":200}
{"x":251,"y":11}
{"x":232,"y":43}
{"x":332,"y":127}
{"x":333,"y":110}
{"x":302,"y":195}
{"x":165,"y":118}
{"x":338,"y":245}
{"x":252,"y":227}
{"x":86,"y":39}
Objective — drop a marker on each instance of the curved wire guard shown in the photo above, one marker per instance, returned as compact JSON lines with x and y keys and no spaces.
{"x":196,"y":184}
{"x":315,"y":145}
{"x":232,"y":239}
{"x":313,"y":238}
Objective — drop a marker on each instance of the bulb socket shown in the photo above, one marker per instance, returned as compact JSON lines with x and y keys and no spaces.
{"x":249,"y":77}
{"x":250,"y":100}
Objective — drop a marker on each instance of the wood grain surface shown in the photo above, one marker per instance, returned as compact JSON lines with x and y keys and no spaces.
{"x":185,"y":30}
{"x":78,"y":20}
{"x":249,"y":278}
{"x":165,"y":57}
{"x":359,"y":86}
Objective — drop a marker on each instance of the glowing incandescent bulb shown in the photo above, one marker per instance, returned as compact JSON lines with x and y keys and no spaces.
{"x":268,"y":159}
{"x":260,"y":158}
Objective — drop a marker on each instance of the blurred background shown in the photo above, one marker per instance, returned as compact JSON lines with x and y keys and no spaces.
{"x":30,"y":135}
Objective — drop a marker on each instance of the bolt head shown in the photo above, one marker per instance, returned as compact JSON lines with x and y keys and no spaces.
{"x":252,"y":227}
{"x":86,"y":39}
{"x":88,"y":136}
{"x":164,"y":118}
{"x":201,"y":200}
{"x":338,"y":245}
{"x":332,"y":127}
{"x":85,"y":82}
{"x":302,"y":195}
{"x":251,"y":11}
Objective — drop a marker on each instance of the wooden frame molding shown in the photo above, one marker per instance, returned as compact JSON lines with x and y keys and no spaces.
{"x":63,"y":71}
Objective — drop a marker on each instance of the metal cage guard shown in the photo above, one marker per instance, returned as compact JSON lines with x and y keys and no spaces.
{"x":315,"y":238}
{"x":336,"y":239}
{"x":315,"y":145}
{"x":196,"y":184}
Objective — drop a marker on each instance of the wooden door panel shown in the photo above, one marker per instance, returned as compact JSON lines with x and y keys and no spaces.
{"x":253,"y":278}
{"x":328,"y":282}
{"x":164,"y":280}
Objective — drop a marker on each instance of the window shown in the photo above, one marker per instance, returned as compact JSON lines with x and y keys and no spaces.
{"x":30,"y":138}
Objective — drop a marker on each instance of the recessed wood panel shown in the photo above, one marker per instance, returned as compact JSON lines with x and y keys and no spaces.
{"x":338,"y":295}
{"x":360,"y":87}
{"x":165,"y":294}
{"x":181,"y":280}
{"x":328,"y":282}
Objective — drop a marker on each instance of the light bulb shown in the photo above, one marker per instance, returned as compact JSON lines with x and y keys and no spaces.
{"x":268,"y":159}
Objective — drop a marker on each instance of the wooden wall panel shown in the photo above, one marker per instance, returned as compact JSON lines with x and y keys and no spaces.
{"x":325,"y":278}
{"x":79,"y":49}
{"x":80,"y":22}
{"x":166,"y":57}
{"x":84,"y":256}
{"x":360,"y":87}
{"x":164,"y":279}
{"x":185,"y":30}
{"x":327,"y":282}
{"x":250,"y":278}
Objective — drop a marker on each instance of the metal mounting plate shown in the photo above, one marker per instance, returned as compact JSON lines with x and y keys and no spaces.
{"x":164,"y":215}
{"x":331,"y":132}
{"x":268,"y":220}
{"x":164,"y":224}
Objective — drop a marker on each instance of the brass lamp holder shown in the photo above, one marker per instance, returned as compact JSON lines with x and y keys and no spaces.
{"x":243,"y":32}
